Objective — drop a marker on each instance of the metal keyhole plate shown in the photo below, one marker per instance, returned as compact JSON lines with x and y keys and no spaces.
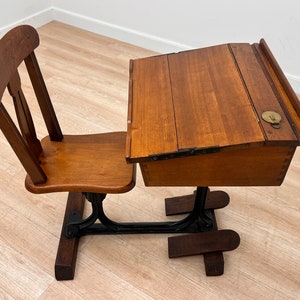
{"x":272,"y":117}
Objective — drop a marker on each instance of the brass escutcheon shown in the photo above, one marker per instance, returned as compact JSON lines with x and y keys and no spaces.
{"x":272,"y":117}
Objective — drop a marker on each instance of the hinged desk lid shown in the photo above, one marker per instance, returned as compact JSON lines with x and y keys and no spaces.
{"x":206,"y":100}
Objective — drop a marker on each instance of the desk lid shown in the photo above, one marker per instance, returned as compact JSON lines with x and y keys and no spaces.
{"x":207,"y":100}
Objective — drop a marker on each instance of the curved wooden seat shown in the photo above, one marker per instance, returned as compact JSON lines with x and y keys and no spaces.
{"x":85,"y":163}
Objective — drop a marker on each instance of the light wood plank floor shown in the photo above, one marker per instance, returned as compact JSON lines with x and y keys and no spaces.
{"x":87,"y":78}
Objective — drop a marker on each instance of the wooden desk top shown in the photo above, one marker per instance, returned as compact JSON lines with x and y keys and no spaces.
{"x":208,"y":100}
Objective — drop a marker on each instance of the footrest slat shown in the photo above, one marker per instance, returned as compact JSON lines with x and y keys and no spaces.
{"x":203,"y":242}
{"x":185,"y":204}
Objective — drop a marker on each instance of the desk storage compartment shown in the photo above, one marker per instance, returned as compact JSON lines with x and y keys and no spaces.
{"x":216,"y":116}
{"x":253,"y":166}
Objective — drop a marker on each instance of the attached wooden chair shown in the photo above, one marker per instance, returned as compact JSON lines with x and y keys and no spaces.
{"x":86,"y":166}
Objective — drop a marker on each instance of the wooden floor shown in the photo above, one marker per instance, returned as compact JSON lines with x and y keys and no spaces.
{"x":87,"y":78}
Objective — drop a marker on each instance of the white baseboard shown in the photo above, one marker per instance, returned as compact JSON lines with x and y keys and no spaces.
{"x":36,"y":20}
{"x":137,"y":38}
{"x":124,"y":34}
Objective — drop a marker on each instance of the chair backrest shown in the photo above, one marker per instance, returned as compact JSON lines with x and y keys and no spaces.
{"x":15,"y":47}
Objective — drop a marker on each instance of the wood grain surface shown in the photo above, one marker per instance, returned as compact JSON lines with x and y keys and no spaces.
{"x":87,"y":76}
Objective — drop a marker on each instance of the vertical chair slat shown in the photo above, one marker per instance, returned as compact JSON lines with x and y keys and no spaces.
{"x":43,"y":98}
{"x":24,"y":116}
{"x":27,"y":158}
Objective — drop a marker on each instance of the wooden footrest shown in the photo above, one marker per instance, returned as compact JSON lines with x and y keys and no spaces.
{"x":203,"y":242}
{"x":185,"y":204}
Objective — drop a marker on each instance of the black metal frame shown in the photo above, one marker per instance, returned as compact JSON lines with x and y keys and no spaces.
{"x":199,"y":220}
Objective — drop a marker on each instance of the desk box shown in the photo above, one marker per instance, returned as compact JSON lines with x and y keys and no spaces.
{"x":217,"y":116}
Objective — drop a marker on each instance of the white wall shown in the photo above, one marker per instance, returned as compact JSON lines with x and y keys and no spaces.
{"x":172,"y":25}
{"x":17,"y":11}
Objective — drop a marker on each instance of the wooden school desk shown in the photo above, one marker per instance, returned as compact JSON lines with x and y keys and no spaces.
{"x":217,"y":116}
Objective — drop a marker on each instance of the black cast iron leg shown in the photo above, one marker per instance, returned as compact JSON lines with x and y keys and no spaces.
{"x":210,"y":243}
{"x":197,"y":221}
{"x":76,"y":224}
{"x":204,"y":217}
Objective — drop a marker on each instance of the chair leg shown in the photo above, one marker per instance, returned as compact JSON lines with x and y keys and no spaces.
{"x":67,"y":249}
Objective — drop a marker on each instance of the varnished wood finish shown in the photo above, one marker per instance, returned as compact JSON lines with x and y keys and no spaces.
{"x":263,"y":95}
{"x":91,"y":163}
{"x":211,"y":102}
{"x":287,"y":97}
{"x":17,"y":142}
{"x":43,"y":98}
{"x":266,"y":265}
{"x":184,"y":204}
{"x":66,"y":257}
{"x":195,"y":118}
{"x":287,"y":94}
{"x":14,"y":48}
{"x":82,"y":163}
{"x":201,"y":243}
{"x":251,"y":166}
{"x":17,"y":46}
{"x":30,"y":40}
{"x":152,"y":129}
{"x":213,"y":261}
{"x":24,"y":116}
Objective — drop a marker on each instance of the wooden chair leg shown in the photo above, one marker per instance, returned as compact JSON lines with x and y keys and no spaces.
{"x":67,"y":249}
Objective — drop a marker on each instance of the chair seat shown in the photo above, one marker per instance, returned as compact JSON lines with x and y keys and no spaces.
{"x":85,"y":163}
